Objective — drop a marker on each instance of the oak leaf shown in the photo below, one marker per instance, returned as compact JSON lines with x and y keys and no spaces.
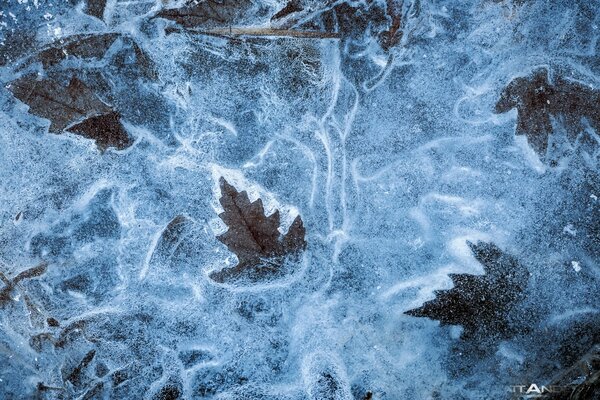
{"x":254,"y":237}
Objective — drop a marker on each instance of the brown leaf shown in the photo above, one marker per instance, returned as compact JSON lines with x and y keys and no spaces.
{"x":392,"y":36}
{"x":75,"y":376}
{"x":291,"y":7}
{"x":480,"y":303}
{"x":34,"y":272}
{"x":537,"y":100}
{"x":106,"y":130}
{"x":95,"y":8}
{"x":93,"y":46}
{"x":80,"y":46}
{"x":10,"y":284}
{"x":63,"y":106}
{"x":254,"y":237}
{"x":206,"y":13}
{"x":75,"y":108}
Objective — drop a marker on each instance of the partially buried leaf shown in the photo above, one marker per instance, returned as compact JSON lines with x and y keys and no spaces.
{"x":106,"y":130}
{"x":95,"y":8}
{"x":254,"y":237}
{"x":291,"y":7}
{"x":170,"y":240}
{"x":206,"y":13}
{"x":75,"y":376}
{"x":9,"y":284}
{"x":537,"y":100}
{"x":81,"y":46}
{"x":93,"y":46}
{"x":482,"y":304}
{"x":74,"y":108}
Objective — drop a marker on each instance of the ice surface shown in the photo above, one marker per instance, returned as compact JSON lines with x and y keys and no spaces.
{"x":393,"y":155}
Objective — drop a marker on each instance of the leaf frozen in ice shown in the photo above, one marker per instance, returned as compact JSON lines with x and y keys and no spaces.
{"x":291,"y":7}
{"x":9,"y":284}
{"x":206,"y":13}
{"x":95,"y":8}
{"x":480,"y":303}
{"x":392,"y":36}
{"x":106,"y":130}
{"x":93,"y":46}
{"x":74,"y":108}
{"x":254,"y":237}
{"x":81,"y":46}
{"x":537,"y":100}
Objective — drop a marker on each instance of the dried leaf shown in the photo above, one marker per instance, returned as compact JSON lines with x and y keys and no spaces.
{"x":265,"y":32}
{"x":74,"y":108}
{"x":36,"y":271}
{"x":63,"y":106}
{"x":106,"y":130}
{"x":75,"y":376}
{"x":392,"y":36}
{"x":536,"y":100}
{"x":254,"y":237}
{"x":95,"y":8}
{"x":93,"y":46}
{"x":206,"y":13}
{"x":80,"y":46}
{"x":291,"y":7}
{"x":10,"y":284}
{"x":480,"y":303}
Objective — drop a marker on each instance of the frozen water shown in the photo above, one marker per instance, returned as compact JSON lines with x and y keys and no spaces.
{"x":392,"y":155}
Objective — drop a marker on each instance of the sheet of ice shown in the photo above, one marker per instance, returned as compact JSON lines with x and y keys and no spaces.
{"x":393,"y":158}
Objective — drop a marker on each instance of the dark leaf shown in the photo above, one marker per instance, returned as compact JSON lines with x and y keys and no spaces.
{"x":95,"y":8}
{"x":75,"y":376}
{"x":120,"y":376}
{"x":10,"y":284}
{"x":63,"y":106}
{"x":291,"y":7}
{"x":480,"y":303}
{"x":93,"y":46}
{"x":168,"y":392}
{"x":106,"y":130}
{"x":80,"y":46}
{"x":537,"y":99}
{"x":36,"y":271}
{"x":254,"y":237}
{"x":75,"y":108}
{"x":392,"y":36}
{"x":207,"y":13}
